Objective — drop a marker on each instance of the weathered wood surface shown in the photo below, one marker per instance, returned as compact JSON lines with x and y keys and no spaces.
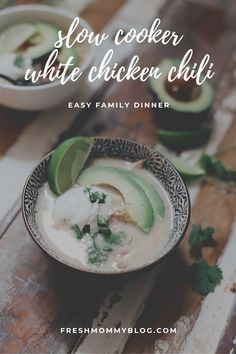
{"x":42,"y":297}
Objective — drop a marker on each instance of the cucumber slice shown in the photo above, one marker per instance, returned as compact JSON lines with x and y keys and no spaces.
{"x":47,"y":37}
{"x":187,"y":171}
{"x":13,"y":37}
{"x":184,"y":140}
{"x":66,"y":53}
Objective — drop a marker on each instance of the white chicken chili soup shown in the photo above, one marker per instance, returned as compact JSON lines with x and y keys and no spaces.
{"x":116,"y":217}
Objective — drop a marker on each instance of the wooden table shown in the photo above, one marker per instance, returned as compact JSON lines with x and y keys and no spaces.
{"x":38,"y":297}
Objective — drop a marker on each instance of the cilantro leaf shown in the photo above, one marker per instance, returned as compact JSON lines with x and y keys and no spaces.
{"x":105,"y":231}
{"x":78,"y":232}
{"x":97,"y":255}
{"x":114,"y":238}
{"x":199,"y":238}
{"x":102,"y":222}
{"x":216,"y":168}
{"x":86,"y":229}
{"x":95,"y":196}
{"x":204,"y":278}
{"x":207,"y":236}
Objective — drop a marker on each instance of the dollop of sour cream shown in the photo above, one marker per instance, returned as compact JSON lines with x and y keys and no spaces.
{"x":74,"y":207}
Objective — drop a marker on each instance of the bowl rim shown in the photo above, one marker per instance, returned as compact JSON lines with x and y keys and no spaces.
{"x":58,"y":11}
{"x":95,"y":271}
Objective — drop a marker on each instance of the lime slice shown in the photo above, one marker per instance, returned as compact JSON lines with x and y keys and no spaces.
{"x":187,"y":171}
{"x":183,"y":140}
{"x":14,"y":36}
{"x":66,"y":163}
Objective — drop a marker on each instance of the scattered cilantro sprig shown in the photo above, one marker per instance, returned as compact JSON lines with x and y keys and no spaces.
{"x":203,"y":277}
{"x":95,"y":196}
{"x":78,"y":232}
{"x":216,"y":168}
{"x":200,"y":237}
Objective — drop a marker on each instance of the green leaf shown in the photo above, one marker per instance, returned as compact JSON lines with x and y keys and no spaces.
{"x":207,"y":236}
{"x":216,"y":168}
{"x":204,"y":278}
{"x":105,"y":231}
{"x":102,"y":222}
{"x":199,"y":238}
{"x":78,"y":232}
{"x":102,"y":198}
{"x":98,"y":255}
{"x":114,"y":238}
{"x":86,"y":229}
{"x":195,"y":241}
{"x":95,"y":196}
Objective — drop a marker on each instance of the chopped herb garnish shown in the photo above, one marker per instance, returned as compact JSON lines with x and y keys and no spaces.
{"x":78,"y":232}
{"x":200,"y":237}
{"x":105,"y":231}
{"x":95,"y":196}
{"x":102,"y":222}
{"x":86,"y":229}
{"x":204,"y":278}
{"x":97,"y":255}
{"x":115,"y":238}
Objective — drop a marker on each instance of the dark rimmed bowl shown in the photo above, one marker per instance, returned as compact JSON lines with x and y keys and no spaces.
{"x":131,"y":151}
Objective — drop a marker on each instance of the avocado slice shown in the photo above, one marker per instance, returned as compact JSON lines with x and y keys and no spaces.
{"x":66,"y":53}
{"x":189,"y":104}
{"x":188,"y":172}
{"x":151,"y":192}
{"x":184,"y":140}
{"x":14,"y":36}
{"x":47,"y":36}
{"x":137,"y":203}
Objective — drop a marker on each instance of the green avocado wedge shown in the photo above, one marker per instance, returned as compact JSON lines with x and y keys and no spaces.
{"x":151,"y":192}
{"x":66,"y":163}
{"x":138,"y":205}
{"x":66,"y":53}
{"x":184,"y":140}
{"x":188,"y":172}
{"x":47,"y":36}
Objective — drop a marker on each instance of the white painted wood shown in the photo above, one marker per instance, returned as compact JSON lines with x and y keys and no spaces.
{"x":212,"y":319}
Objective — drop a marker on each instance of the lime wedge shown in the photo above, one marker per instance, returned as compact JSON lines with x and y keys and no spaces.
{"x":187,"y":170}
{"x":184,"y":140}
{"x":66,"y":163}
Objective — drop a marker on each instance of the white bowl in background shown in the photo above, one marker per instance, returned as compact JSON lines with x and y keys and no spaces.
{"x":42,"y":97}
